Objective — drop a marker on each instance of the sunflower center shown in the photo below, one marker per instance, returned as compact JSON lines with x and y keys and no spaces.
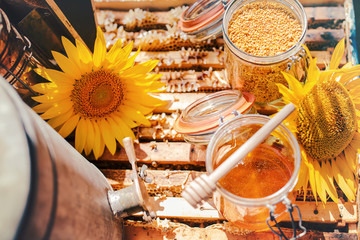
{"x":326,"y":121}
{"x":97,"y":94}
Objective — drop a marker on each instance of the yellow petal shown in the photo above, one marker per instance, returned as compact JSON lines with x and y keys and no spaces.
{"x":138,"y":106}
{"x":350,"y":158}
{"x":135,"y":115}
{"x":146,"y":99}
{"x":288,"y":95}
{"x":99,"y":48}
{"x":120,"y":130}
{"x":107,"y":135}
{"x":61,"y":119}
{"x":341,"y":182}
{"x":57,"y":109}
{"x":130,"y":123}
{"x":52,"y":97}
{"x":312,"y":76}
{"x":354,"y":83}
{"x":59,"y":78}
{"x":80,"y":135}
{"x":337,"y":55}
{"x":141,"y":68}
{"x":346,"y":172}
{"x":42,"y":107}
{"x":116,"y":130}
{"x":312,"y":178}
{"x":84,"y":52}
{"x":67,"y":65}
{"x":73,"y":54}
{"x":69,"y":126}
{"x":303,"y":178}
{"x":321,"y":191}
{"x":97,"y":143}
{"x":44,"y":88}
{"x":123,"y":61}
{"x":90,"y":137}
{"x":115,"y":50}
{"x":329,"y":181}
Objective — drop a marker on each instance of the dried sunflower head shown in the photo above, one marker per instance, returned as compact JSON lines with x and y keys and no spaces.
{"x":326,"y":125}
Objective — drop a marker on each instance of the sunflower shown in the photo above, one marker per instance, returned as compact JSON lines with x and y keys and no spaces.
{"x":101,"y":95}
{"x":326,"y":122}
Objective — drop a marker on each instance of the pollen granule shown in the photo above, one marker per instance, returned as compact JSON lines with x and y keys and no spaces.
{"x":261,"y":28}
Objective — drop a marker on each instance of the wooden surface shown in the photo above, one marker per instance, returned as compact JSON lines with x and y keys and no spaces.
{"x":174,"y":163}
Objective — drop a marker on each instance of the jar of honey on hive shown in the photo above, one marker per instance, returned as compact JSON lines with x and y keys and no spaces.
{"x":260,"y":186}
{"x":262,"y":39}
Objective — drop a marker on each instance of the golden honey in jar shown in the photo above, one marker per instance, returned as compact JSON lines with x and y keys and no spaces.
{"x":264,"y":177}
{"x":262,"y":39}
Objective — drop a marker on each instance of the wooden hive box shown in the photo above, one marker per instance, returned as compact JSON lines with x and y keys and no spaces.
{"x":173,"y":163}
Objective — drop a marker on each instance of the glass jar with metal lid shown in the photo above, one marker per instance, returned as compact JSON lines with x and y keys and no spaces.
{"x":199,"y":121}
{"x":257,"y":192}
{"x":252,"y":68}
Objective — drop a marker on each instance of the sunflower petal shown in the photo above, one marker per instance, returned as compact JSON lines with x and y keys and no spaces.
{"x":44,"y":88}
{"x":115,"y":50}
{"x":61,"y":119}
{"x":42,"y":107}
{"x":135,"y":115}
{"x":67,"y":65}
{"x":337,"y":55}
{"x":350,"y":158}
{"x":329,"y":181}
{"x":312,"y":178}
{"x":120,"y":130}
{"x":303,"y":178}
{"x":141,"y":68}
{"x":97,"y":142}
{"x":341,"y":182}
{"x":138,"y":106}
{"x":146,"y":99}
{"x":130,"y":123}
{"x":90,"y":139}
{"x":69,"y":126}
{"x":346,"y":172}
{"x":84,"y":52}
{"x":107,"y":135}
{"x":57,"y":109}
{"x":80,"y":135}
{"x":288,"y":95}
{"x":320,"y":189}
{"x":99,"y":48}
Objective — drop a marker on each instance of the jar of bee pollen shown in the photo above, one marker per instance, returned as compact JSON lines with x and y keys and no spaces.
{"x":262,"y":39}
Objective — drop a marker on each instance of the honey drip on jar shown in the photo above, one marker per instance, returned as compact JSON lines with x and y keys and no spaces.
{"x":264,"y":171}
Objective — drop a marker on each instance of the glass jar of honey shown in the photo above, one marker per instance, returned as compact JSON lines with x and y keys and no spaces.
{"x":262,"y":39}
{"x":260,"y":186}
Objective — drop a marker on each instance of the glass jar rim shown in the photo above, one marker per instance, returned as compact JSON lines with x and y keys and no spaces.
{"x":196,"y":118}
{"x":200,"y":14}
{"x":293,"y":5}
{"x":272,"y":199}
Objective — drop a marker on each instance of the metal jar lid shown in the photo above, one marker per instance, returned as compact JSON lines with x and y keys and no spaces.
{"x":203,"y":19}
{"x":199,"y":120}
